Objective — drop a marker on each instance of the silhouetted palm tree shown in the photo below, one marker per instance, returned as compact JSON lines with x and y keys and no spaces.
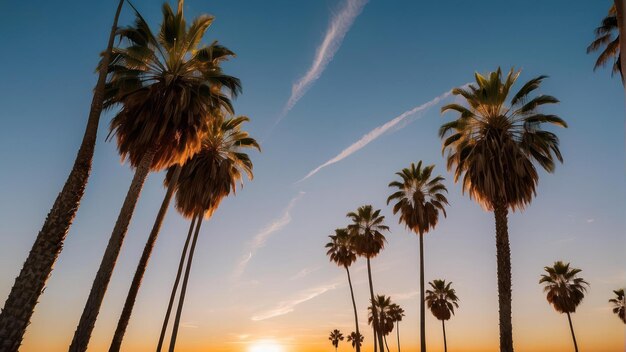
{"x":619,"y":304}
{"x":607,"y":40}
{"x":341,"y":252}
{"x":356,"y":339}
{"x":396,"y":315}
{"x":441,"y":301}
{"x":335,"y":337}
{"x":30,"y":284}
{"x":205,"y":180}
{"x":492,"y":147}
{"x":565,"y":290}
{"x":168,"y":88}
{"x":367,"y":238}
{"x":419,"y":199}
{"x":383,"y":306}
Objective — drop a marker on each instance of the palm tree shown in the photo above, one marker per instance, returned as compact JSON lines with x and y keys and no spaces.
{"x":607,"y":38}
{"x":29,"y":285}
{"x":419,"y":198}
{"x":341,"y":252}
{"x":565,"y":290}
{"x":367,"y":238}
{"x":204,"y":181}
{"x":335,"y":337}
{"x":168,"y":88}
{"x":492,"y":147}
{"x":383,"y":306}
{"x":441,"y":301}
{"x":356,"y":339}
{"x":397,"y":313}
{"x":619,"y":304}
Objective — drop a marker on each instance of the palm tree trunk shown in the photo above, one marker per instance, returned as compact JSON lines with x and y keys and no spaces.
{"x":503,"y":254}
{"x":122,"y":323}
{"x":398,"y":334}
{"x":378,"y":340}
{"x":103,"y":276}
{"x":571,"y":327}
{"x":445,"y":342}
{"x":356,"y":318}
{"x":386,"y":345}
{"x":621,"y":24}
{"x":29,"y":285}
{"x":422,"y":302}
{"x":181,"y":298}
{"x":175,"y":288}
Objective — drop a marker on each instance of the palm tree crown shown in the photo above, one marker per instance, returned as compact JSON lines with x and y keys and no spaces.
{"x":335,"y":337}
{"x":492,"y":145}
{"x":442,"y":299}
{"x":355,"y":338}
{"x":216,"y":169}
{"x":340,"y":250}
{"x":565,"y":290}
{"x":167,"y":86}
{"x":384,"y":308}
{"x":419,"y":197}
{"x":607,"y":37}
{"x":619,"y":304}
{"x":396,"y":312}
{"x":366,"y":231}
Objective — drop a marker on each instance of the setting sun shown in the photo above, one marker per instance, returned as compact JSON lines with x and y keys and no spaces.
{"x":266,"y":346}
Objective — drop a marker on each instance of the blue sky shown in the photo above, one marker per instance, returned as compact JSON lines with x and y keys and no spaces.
{"x":396,"y":56}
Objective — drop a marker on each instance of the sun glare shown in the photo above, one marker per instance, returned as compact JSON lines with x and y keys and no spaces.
{"x":266,"y":346}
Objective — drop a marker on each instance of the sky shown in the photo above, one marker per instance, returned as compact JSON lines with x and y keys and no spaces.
{"x":341,"y":94}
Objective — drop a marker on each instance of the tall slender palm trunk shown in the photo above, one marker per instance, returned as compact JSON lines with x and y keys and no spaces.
{"x":183,"y":290}
{"x":445,"y":342}
{"x":386,"y":345}
{"x":378,"y":339}
{"x":356,"y":318}
{"x":571,"y":328}
{"x":29,"y":285}
{"x":122,"y":323}
{"x":503,"y":254}
{"x":105,"y":271}
{"x":422,"y":301}
{"x":181,"y":265}
{"x":620,"y":5}
{"x":398,"y":334}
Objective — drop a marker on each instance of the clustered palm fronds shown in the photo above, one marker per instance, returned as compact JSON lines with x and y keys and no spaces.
{"x":619,"y":304}
{"x":442,"y":299}
{"x":607,"y":41}
{"x":564,"y":289}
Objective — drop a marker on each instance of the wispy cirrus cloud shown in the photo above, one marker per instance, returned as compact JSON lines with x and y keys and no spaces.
{"x":377,"y":132}
{"x":260,"y":238}
{"x":288,"y":306}
{"x":337,"y":29}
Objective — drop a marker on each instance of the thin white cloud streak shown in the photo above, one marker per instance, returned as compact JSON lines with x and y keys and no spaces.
{"x":377,"y":132}
{"x":337,"y":29}
{"x":286,"y":307}
{"x":260,"y":238}
{"x":304,"y":273}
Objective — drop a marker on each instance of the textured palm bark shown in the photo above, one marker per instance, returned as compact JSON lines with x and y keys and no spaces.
{"x":30,"y":283}
{"x":620,"y":5}
{"x":103,"y":276}
{"x":122,"y":323}
{"x":183,"y":290}
{"x":356,"y":317}
{"x":175,"y":288}
{"x":422,"y":301}
{"x":378,"y":339}
{"x":503,"y":254}
{"x":571,"y":328}
{"x":445,"y":341}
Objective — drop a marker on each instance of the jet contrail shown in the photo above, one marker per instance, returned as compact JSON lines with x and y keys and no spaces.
{"x":339,"y":26}
{"x":377,"y":132}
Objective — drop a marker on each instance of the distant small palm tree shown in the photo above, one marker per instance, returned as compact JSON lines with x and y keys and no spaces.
{"x":492,"y":147}
{"x":419,"y":198}
{"x":367,"y":238}
{"x":607,"y":40}
{"x":383,"y":306}
{"x":341,"y":252}
{"x":565,"y":290}
{"x":619,"y":304}
{"x":397,"y":313}
{"x":335,"y":337}
{"x":356,"y":339}
{"x":441,"y":301}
